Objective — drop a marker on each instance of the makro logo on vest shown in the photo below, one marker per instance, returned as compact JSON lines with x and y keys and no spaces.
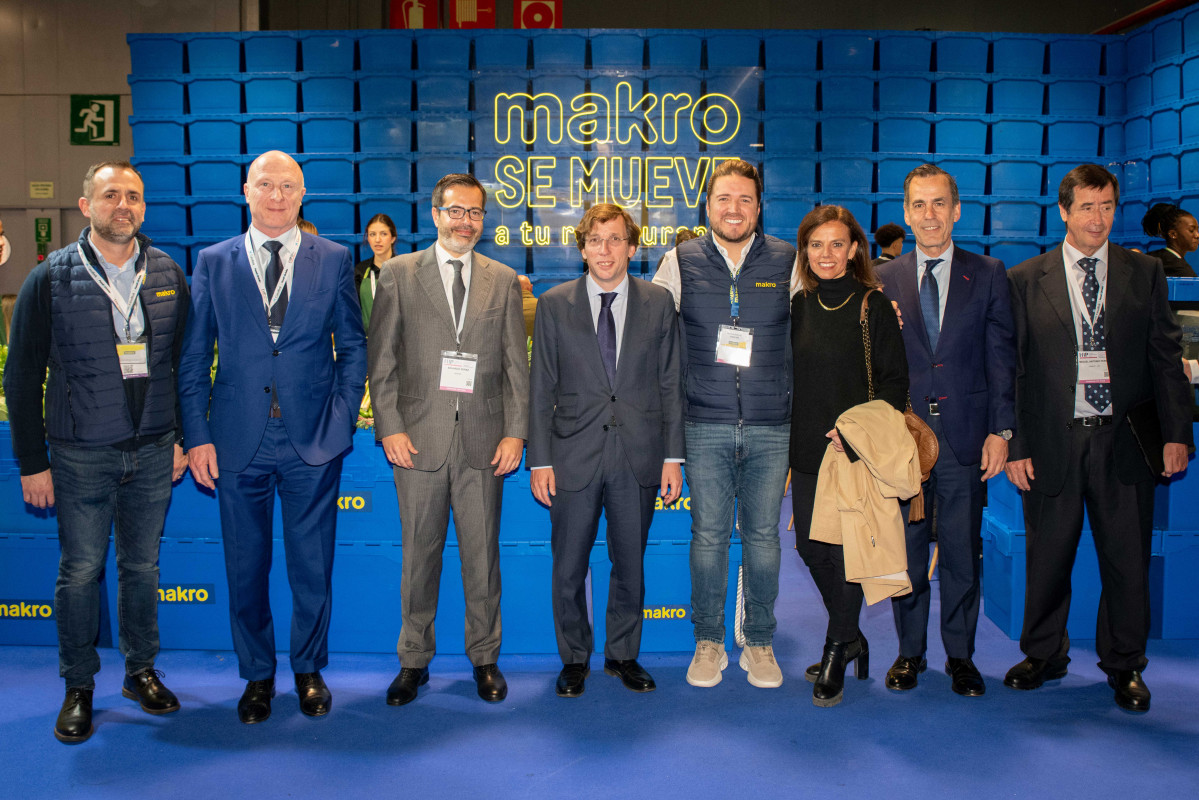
{"x":361,"y":501}
{"x":666,"y":612}
{"x":26,"y":609}
{"x":187,"y":593}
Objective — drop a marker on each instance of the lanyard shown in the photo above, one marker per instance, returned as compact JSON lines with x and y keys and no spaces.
{"x":1081,"y":305}
{"x":259,"y":271}
{"x":372,"y":272}
{"x":126,"y":307}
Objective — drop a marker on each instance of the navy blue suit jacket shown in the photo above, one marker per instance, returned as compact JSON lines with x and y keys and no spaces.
{"x":972,"y":374}
{"x":319,"y":396}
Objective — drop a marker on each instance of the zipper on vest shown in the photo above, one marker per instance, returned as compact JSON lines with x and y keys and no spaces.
{"x":737,"y":377}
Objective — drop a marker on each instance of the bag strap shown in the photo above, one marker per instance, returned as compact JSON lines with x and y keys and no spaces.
{"x":865,"y":323}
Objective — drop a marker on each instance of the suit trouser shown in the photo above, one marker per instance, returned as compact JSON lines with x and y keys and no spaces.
{"x":308,"y":495}
{"x":826,"y":562}
{"x":426,"y":499}
{"x":574,"y":516}
{"x":956,"y":492}
{"x":1122,"y":523}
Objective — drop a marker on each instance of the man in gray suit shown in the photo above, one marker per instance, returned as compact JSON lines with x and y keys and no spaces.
{"x":450,"y":383}
{"x":606,"y":433}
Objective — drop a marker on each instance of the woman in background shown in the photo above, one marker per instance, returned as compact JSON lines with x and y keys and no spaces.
{"x":381,"y":237}
{"x":1181,"y":232}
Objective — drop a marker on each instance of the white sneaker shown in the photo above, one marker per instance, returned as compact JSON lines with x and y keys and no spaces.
{"x":710,"y":659}
{"x":763,"y":671}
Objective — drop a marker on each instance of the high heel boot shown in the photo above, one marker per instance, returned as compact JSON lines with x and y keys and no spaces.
{"x":830,"y":683}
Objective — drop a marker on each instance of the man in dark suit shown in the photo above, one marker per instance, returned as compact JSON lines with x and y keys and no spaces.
{"x":1095,"y":338}
{"x":449,"y":370}
{"x":962,"y":363}
{"x":278,"y":416}
{"x":606,"y":434}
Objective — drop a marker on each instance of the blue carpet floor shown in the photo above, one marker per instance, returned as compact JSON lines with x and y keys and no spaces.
{"x":1066,"y":740}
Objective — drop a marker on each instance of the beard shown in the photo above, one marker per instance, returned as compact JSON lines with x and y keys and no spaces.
{"x":719,"y":230}
{"x":117,"y":235}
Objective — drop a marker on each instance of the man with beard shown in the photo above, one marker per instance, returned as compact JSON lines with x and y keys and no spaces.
{"x":106,"y":315}
{"x":449,"y":371}
{"x":732,"y":290}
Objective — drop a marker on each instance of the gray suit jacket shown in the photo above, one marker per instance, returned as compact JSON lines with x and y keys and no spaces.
{"x":411,"y":325}
{"x":571,"y":402}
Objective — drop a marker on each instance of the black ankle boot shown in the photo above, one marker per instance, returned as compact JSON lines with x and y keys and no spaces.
{"x":830,"y":683}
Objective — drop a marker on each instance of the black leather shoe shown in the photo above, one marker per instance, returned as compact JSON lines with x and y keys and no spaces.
{"x":830,"y":683}
{"x":967,"y":680}
{"x":490,"y":683}
{"x":812,"y":672}
{"x":146,"y":688}
{"x":570,"y":680}
{"x":631,"y":674}
{"x":1131,"y":692}
{"x":403,"y":689}
{"x":255,"y":703}
{"x":315,"y":697}
{"x":74,"y":723}
{"x":1032,"y":672}
{"x":902,"y":675}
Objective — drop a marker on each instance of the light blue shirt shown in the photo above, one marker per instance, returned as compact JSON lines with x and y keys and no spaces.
{"x":940,"y":274}
{"x":620,"y":306}
{"x":121,"y":277}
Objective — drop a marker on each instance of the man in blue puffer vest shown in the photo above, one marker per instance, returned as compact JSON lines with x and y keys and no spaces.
{"x":733,"y":291}
{"x":106,"y":314}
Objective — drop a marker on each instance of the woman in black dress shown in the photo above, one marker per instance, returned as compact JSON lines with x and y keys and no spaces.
{"x":830,"y":378}
{"x":1181,"y":233}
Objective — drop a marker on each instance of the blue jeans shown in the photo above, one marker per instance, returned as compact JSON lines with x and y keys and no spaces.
{"x":746,"y":464}
{"x":93,"y":488}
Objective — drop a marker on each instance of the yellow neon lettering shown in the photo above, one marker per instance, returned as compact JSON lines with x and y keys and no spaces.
{"x":510,"y":175}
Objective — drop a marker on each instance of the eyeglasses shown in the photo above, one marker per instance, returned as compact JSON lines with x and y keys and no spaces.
{"x":595,"y":242}
{"x":458,"y":212}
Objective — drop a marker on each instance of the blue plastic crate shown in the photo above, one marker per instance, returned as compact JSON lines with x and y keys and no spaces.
{"x":327,"y":174}
{"x":1176,"y":503}
{"x":443,"y":91}
{"x":854,"y":175}
{"x":905,"y":134}
{"x":1183,"y":289}
{"x":155,"y":55}
{"x":787,"y":93}
{"x":1017,"y":137}
{"x":441,"y":50}
{"x":862,"y":207}
{"x":559,"y":48}
{"x":159,"y":96}
{"x":1167,"y":84}
{"x":848,"y":51}
{"x":1175,"y":573}
{"x":153,"y":136}
{"x":28,"y":570}
{"x":1136,"y":135}
{"x":553,"y":257}
{"x":904,"y":93}
{"x":385,"y":134}
{"x":960,"y":136}
{"x":1188,"y":167}
{"x":846,"y":134}
{"x":1013,"y":253}
{"x":217,"y":176}
{"x":1167,"y":38}
{"x":327,"y":93}
{"x":163,"y":177}
{"x":848,"y":93}
{"x":1163,"y":129}
{"x":398,"y":206}
{"x":1074,"y":98}
{"x":741,"y":86}
{"x":273,"y":51}
{"x":1016,"y":176}
{"x":208,"y":53}
{"x":974,"y":213}
{"x":789,"y":174}
{"x":732,"y":49}
{"x":888,"y":208}
{"x":429,"y":170}
{"x":215,"y":136}
{"x":1115,"y":57}
{"x":169,"y":218}
{"x":787,"y":134}
{"x":271,"y":94}
{"x":272,"y":134}
{"x":1136,"y":178}
{"x":502,"y":50}
{"x":324,"y":52}
{"x":961,"y":52}
{"x":667,"y":625}
{"x":390,"y":94}
{"x":327,"y":134}
{"x":905,"y":52}
{"x":1189,"y":121}
{"x":1163,"y":173}
{"x":784,"y":212}
{"x":218,"y":216}
{"x":1190,"y":78}
{"x":385,"y":51}
{"x":1015,"y":55}
{"x":1015,"y":218}
{"x":1114,"y":104}
{"x":1138,"y":93}
{"x":962,"y":95}
{"x":893,"y":170}
{"x":216,"y":94}
{"x":366,"y":582}
{"x":331,"y":213}
{"x":617,"y":48}
{"x":1139,"y":50}
{"x":1190,"y":31}
{"x":786,"y":50}
{"x":1075,"y":56}
{"x":673,"y":49}
{"x":387,"y":174}
{"x":1013,"y":96}
{"x":442,"y":133}
{"x":525,"y":605}
{"x":1112,"y":145}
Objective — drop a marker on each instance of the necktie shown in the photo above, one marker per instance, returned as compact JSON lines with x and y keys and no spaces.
{"x":1099,"y":395}
{"x":274,"y":271}
{"x":930,"y":303}
{"x":459,"y":290}
{"x":606,"y":331}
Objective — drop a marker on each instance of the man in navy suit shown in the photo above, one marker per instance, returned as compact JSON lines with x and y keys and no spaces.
{"x":605,"y":434}
{"x":961,"y":362}
{"x":278,"y":416}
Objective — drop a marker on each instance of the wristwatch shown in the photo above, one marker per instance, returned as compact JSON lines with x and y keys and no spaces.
{"x":1006,"y":433}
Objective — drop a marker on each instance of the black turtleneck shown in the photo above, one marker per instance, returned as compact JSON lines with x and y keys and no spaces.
{"x":830,"y":362}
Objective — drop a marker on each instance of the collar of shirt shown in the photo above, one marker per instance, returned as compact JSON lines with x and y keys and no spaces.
{"x":941,"y":274}
{"x":1176,"y":253}
{"x":735,"y":269}
{"x":1071,"y":255}
{"x":447,"y":272}
{"x":112,"y":270}
{"x":594,"y":289}
{"x":288,"y":240}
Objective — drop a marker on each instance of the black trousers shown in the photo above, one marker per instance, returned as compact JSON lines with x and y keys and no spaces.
{"x":1122,"y":523}
{"x":826,"y":562}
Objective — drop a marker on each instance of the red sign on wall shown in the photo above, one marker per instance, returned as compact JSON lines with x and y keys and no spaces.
{"x":537,"y":13}
{"x":472,"y":13}
{"x":414,"y":14}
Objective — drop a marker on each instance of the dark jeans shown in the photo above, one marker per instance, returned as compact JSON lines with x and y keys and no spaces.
{"x":93,"y":488}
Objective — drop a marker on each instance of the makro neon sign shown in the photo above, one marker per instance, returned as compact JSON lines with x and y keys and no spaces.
{"x":606,"y":124}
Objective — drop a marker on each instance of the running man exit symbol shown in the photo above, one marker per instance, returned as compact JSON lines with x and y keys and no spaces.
{"x":95,"y":119}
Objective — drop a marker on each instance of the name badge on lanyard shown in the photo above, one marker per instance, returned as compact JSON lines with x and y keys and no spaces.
{"x":132,"y":354}
{"x":1092,"y":366}
{"x":734,"y":344}
{"x":1092,"y":362}
{"x":458,"y":371}
{"x":260,"y":278}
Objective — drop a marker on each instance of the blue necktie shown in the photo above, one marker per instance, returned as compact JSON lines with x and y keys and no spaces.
{"x":274,"y":271}
{"x":606,"y":331}
{"x":930,"y":304}
{"x":1099,"y":395}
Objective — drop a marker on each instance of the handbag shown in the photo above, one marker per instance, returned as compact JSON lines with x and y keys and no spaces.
{"x":927,"y":448}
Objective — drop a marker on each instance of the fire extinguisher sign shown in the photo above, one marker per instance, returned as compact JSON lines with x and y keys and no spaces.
{"x":414,"y":14}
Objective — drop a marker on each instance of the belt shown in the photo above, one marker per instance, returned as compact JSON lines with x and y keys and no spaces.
{"x":933,"y":410}
{"x":1092,"y":422}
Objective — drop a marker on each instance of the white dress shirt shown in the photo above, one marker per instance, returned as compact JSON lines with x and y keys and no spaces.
{"x":444,"y":257}
{"x":1075,"y":275}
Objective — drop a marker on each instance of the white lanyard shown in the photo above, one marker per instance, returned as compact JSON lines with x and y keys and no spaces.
{"x":372,"y":272}
{"x":1081,"y":304}
{"x":126,"y":307}
{"x":259,"y":272}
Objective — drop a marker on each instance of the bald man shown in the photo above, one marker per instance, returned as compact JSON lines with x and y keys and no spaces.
{"x":279,"y":416}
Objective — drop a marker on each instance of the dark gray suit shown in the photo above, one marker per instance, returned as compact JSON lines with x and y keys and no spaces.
{"x":607,"y":444}
{"x":456,"y":434}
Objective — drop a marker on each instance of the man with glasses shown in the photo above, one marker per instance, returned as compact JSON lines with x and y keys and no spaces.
{"x":606,"y":434}
{"x":449,"y":371}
